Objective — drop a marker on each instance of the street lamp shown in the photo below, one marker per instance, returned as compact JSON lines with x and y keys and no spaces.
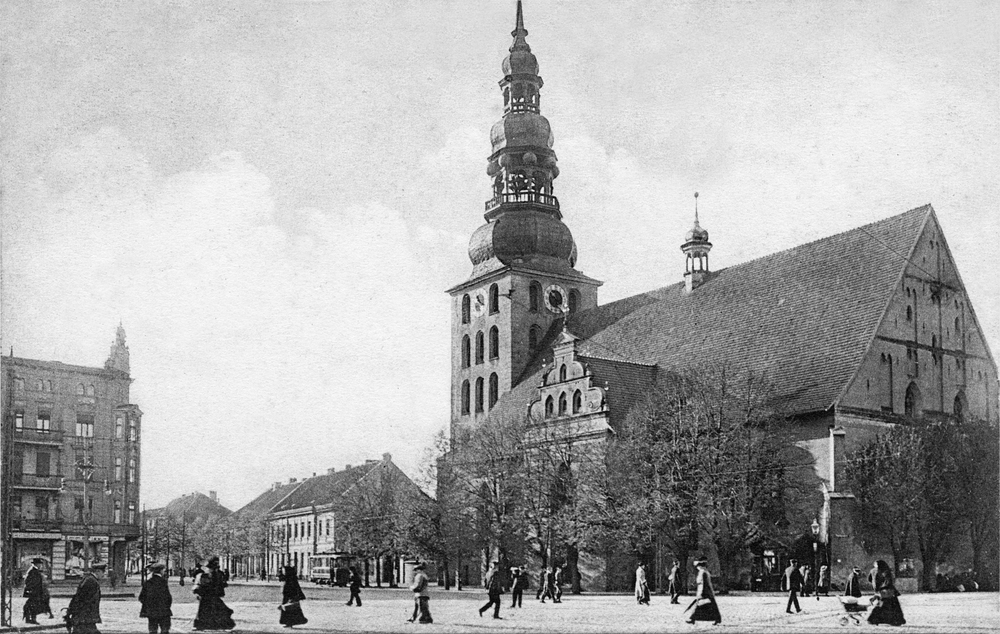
{"x":815,"y":574}
{"x":87,"y":470}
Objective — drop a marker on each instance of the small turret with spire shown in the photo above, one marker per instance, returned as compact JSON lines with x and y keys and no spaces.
{"x":118,"y":359}
{"x":696,"y":247}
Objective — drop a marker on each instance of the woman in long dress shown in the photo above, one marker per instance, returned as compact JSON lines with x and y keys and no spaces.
{"x":641,"y":585}
{"x":886,"y":609}
{"x":291,"y":595}
{"x":706,"y":609}
{"x":213,"y":613}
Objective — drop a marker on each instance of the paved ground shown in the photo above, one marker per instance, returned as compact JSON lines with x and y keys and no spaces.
{"x":386,"y":610}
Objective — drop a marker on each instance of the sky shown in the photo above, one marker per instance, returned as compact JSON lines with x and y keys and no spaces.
{"x":272,"y":197}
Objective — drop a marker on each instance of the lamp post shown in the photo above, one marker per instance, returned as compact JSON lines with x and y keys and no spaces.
{"x":87,"y":471}
{"x":815,"y":574}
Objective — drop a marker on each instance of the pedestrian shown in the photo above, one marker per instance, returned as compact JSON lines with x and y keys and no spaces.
{"x":557,"y":580}
{"x":213,"y":613}
{"x":45,"y":604}
{"x":84,"y":611}
{"x":886,"y":608}
{"x":541,"y":584}
{"x":156,"y":600}
{"x":705,"y":607}
{"x":519,"y":581}
{"x":853,"y":586}
{"x":823,"y":581}
{"x":33,"y":590}
{"x":674,"y":581}
{"x":354,"y":584}
{"x":806,"y":580}
{"x":494,"y":588}
{"x":549,"y":581}
{"x":113,"y":578}
{"x":792,"y":582}
{"x":263,"y":574}
{"x":641,"y":586}
{"x":291,"y":600}
{"x":421,"y":598}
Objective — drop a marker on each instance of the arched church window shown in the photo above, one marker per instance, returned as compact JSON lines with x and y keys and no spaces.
{"x":466,"y":309}
{"x":958,"y":328}
{"x":562,"y":403}
{"x":960,"y":406}
{"x":909,"y":314}
{"x":494,"y":298}
{"x":911,"y":404}
{"x":562,"y":372}
{"x":466,"y":351}
{"x":79,"y":389}
{"x":574,"y":300}
{"x":549,"y":406}
{"x":479,"y":394}
{"x":494,"y":343}
{"x":533,"y":334}
{"x":479,"y":347}
{"x":465,"y":397}
{"x":577,"y":402}
{"x":534,"y":296}
{"x":494,"y":389}
{"x":90,"y":390}
{"x":40,"y":385}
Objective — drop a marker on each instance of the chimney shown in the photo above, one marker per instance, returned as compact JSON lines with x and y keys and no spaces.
{"x":347,"y":467}
{"x":314,"y":474}
{"x":213,"y":495}
{"x":292,"y":480}
{"x":331,"y":471}
{"x":387,"y":457}
{"x":277,"y":485}
{"x":837,"y":447}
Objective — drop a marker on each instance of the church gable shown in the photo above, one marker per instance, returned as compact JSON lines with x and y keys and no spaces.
{"x":928,"y":354}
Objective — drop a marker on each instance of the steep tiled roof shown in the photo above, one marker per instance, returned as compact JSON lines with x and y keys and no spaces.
{"x":192,"y":506}
{"x":324,"y":489}
{"x":263,"y":503}
{"x":804,"y":316}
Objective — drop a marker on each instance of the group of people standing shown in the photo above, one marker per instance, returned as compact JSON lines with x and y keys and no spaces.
{"x":704,"y":604}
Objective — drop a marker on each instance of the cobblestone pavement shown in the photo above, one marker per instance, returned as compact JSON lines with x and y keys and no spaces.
{"x":386,"y":610}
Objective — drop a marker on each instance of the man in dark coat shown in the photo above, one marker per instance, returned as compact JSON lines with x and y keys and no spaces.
{"x":853,"y":586}
{"x":494,"y":587}
{"x":84,"y":611}
{"x":792,"y":581}
{"x":674,"y":579}
{"x":156,"y":601}
{"x":34,"y":589}
{"x":213,"y":613}
{"x":519,"y":581}
{"x":354,"y":584}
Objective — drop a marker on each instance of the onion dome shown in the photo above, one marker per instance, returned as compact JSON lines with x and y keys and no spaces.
{"x":696,"y":234}
{"x":520,"y":236}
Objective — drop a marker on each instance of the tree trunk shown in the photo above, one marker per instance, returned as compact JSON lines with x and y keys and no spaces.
{"x":573,"y":568}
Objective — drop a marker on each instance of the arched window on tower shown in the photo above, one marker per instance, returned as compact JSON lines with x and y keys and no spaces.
{"x":574,"y":300}
{"x":562,"y":372}
{"x":886,"y":383}
{"x":958,"y":328}
{"x":549,"y":404}
{"x":577,"y":402}
{"x":479,"y":394}
{"x":465,"y":397}
{"x":466,"y":351}
{"x":909,"y":314}
{"x":494,"y":343}
{"x":494,"y":299}
{"x":534,"y":296}
{"x":533,"y":334}
{"x":494,"y":389}
{"x":480,"y":345}
{"x":466,"y":309}
{"x":563,"y":404}
{"x":960,"y":406}
{"x":911,"y":404}
{"x":79,"y":389}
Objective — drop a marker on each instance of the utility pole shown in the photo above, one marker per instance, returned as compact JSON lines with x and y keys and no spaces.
{"x":6,"y":524}
{"x":87,"y":470}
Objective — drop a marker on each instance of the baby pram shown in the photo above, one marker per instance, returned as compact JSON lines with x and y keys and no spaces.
{"x":852,"y":605}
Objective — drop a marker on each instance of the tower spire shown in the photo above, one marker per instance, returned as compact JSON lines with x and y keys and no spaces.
{"x":519,"y":31}
{"x":696,"y":247}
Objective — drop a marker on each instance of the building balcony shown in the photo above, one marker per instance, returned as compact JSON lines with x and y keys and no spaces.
{"x":39,"y":437}
{"x":35,"y":526}
{"x":32,"y":481}
{"x":525,"y":197}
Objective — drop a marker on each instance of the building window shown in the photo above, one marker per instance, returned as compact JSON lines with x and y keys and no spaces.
{"x":131,"y":512}
{"x":958,"y":329}
{"x":466,"y":351}
{"x":19,"y":384}
{"x":960,"y":406}
{"x":131,"y":470}
{"x":42,"y":507}
{"x":84,"y":426}
{"x":562,"y":372}
{"x":480,"y":345}
{"x":479,"y":394}
{"x":494,"y":342}
{"x":577,"y":402}
{"x":118,"y":512}
{"x":465,"y":397}
{"x":494,"y":389}
{"x":574,"y":300}
{"x":533,"y":333}
{"x":494,"y":299}
{"x":549,"y":403}
{"x":534,"y":296}
{"x":49,"y":384}
{"x":911,"y":404}
{"x":90,"y":390}
{"x":43,"y":464}
{"x":79,"y":389}
{"x":44,"y":422}
{"x":40,"y":385}
{"x":466,"y":309}
{"x":18,"y":421}
{"x":119,"y":427}
{"x":118,"y":468}
{"x":133,"y":430}
{"x":562,"y":404}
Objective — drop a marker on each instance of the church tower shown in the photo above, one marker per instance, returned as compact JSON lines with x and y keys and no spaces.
{"x":696,"y":247}
{"x":523,"y":258}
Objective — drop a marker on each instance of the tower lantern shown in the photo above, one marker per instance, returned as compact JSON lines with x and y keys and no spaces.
{"x":696,"y":247}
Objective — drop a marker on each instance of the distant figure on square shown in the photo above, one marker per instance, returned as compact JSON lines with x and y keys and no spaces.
{"x":494,"y":588}
{"x":33,"y":590}
{"x":156,"y":601}
{"x":823,"y":581}
{"x":705,"y":607}
{"x":548,"y":585}
{"x":45,"y":604}
{"x":291,"y":598}
{"x":853,"y":586}
{"x":807,"y":580}
{"x":557,"y":580}
{"x":84,"y":611}
{"x":519,"y":581}
{"x":213,"y":613}
{"x":354,"y":585}
{"x":886,"y":608}
{"x":421,"y":598}
{"x":792,"y":582}
{"x":641,"y":585}
{"x":674,"y":581}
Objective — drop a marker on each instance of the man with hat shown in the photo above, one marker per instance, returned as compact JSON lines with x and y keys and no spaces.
{"x":519,"y":581}
{"x":84,"y":611}
{"x":421,"y":598}
{"x":494,"y":588}
{"x":34,"y":590}
{"x":792,"y":581}
{"x":156,"y":600}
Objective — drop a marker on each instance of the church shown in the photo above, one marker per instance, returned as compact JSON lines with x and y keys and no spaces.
{"x":857,"y":331}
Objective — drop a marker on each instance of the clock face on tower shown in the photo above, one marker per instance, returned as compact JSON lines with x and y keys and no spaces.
{"x":555,"y":298}
{"x":479,"y":303}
